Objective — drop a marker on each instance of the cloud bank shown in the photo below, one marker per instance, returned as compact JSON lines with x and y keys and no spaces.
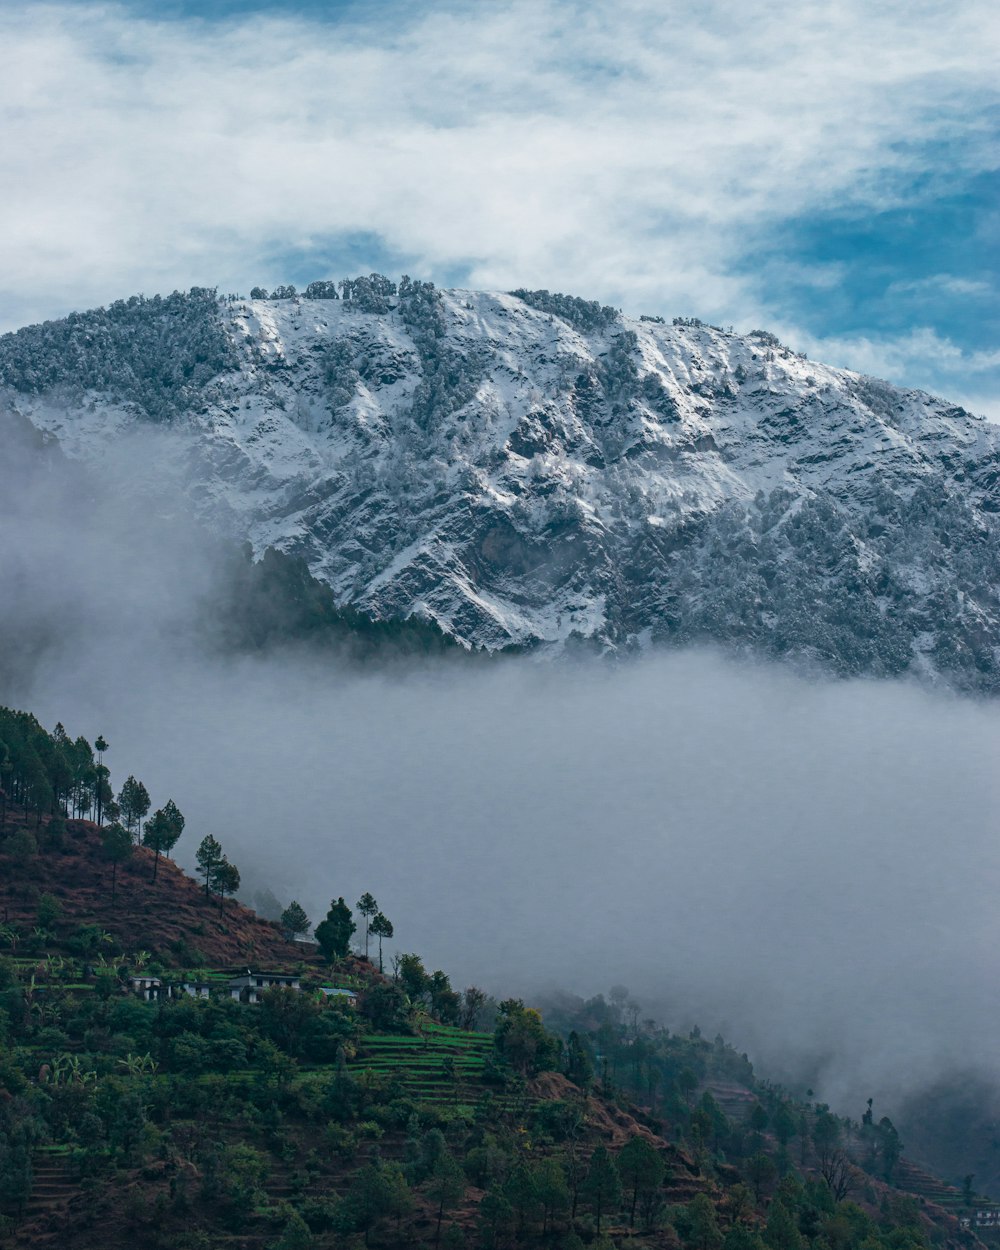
{"x":627,"y":152}
{"x":810,"y":867}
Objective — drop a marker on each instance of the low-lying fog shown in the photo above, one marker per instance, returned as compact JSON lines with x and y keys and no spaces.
{"x":810,"y":867}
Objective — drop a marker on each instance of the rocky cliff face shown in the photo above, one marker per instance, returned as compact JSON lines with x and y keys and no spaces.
{"x":536,"y":469}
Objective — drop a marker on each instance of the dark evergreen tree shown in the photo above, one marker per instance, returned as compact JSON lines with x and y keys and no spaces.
{"x":473,"y":1002}
{"x":381,"y":928}
{"x":579,"y":1069}
{"x":368,"y":908}
{"x":208,"y":858}
{"x":642,"y":1170}
{"x":294,"y":920}
{"x":334,"y":933}
{"x":552,"y":1191}
{"x":227,"y":880}
{"x":134,"y":801}
{"x":444,"y":1187}
{"x":162,"y":831}
{"x":602,"y":1187}
{"x":118,"y":846}
{"x":521,"y":1191}
{"x":782,"y":1231}
{"x":703,"y":1231}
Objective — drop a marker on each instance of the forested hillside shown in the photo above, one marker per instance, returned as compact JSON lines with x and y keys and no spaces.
{"x":149,"y":1093}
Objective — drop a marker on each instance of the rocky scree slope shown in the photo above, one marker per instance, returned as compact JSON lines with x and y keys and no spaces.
{"x":536,"y":469}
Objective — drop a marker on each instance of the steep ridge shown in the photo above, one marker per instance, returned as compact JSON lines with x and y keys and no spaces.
{"x":535,"y":469}
{"x":172,"y":917}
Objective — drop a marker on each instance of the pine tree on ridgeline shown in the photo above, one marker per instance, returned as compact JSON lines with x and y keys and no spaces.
{"x":334,"y":933}
{"x":294,"y":920}
{"x":134,"y":802}
{"x":102,"y":780}
{"x":227,"y":880}
{"x":118,"y":846}
{"x":208,"y":858}
{"x":368,"y":908}
{"x":162,"y":831}
{"x":381,"y":927}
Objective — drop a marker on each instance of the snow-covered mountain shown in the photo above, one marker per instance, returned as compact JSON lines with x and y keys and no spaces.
{"x":533,"y":469}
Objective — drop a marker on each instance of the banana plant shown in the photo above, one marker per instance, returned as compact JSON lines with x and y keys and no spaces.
{"x":67,"y":1069}
{"x":421,"y":1019}
{"x":47,"y":1012}
{"x":139,"y":1065}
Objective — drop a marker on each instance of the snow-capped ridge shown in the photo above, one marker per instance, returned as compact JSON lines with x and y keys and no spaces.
{"x":528,"y":467}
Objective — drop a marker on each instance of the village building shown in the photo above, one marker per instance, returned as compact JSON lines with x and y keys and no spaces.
{"x":146,"y":987}
{"x":250,"y":986}
{"x":334,"y":991}
{"x":191,"y":989}
{"x":987,"y":1217}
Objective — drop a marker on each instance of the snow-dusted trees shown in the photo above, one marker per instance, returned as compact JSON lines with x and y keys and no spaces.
{"x":581,"y":314}
{"x":321,"y":290}
{"x":342,"y":376}
{"x":158,"y":353}
{"x":371,"y":294}
{"x":449,"y":378}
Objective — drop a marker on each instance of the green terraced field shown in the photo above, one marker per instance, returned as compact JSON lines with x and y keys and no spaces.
{"x":419,"y":1064}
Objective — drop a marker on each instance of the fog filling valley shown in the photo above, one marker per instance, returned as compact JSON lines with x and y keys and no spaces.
{"x":809,"y":867}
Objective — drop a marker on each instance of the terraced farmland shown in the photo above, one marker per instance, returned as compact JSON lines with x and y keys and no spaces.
{"x":444,"y":1066}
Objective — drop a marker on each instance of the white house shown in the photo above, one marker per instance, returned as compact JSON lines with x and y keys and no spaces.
{"x":192,"y":989}
{"x":250,"y":987}
{"x":983,"y":1218}
{"x":146,"y":987}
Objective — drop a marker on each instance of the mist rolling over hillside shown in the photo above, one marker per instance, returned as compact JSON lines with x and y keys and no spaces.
{"x":780,"y":860}
{"x":800,"y":863}
{"x":593,"y":642}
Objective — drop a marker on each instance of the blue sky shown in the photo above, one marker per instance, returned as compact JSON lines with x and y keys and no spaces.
{"x":934,"y":259}
{"x":226,"y":10}
{"x":826,"y":171}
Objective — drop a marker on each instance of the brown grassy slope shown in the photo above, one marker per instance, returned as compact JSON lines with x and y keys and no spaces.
{"x":143,"y":916}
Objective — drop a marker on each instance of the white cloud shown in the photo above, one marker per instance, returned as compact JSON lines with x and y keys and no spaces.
{"x":940,"y":284}
{"x":625,"y":151}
